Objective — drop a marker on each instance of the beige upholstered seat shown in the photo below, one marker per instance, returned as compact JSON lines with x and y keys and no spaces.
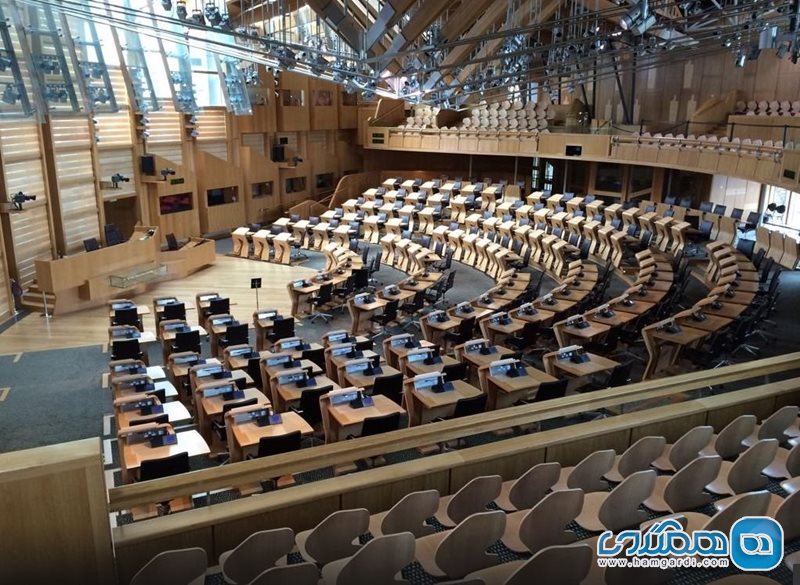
{"x":785,"y":465}
{"x":588,"y":474}
{"x":407,"y":515}
{"x":684,"y":449}
{"x":378,"y":562}
{"x":686,"y":489}
{"x":544,"y":524}
{"x":256,"y":553}
{"x":619,"y":508}
{"x":561,"y":565}
{"x":299,"y":574}
{"x":637,"y":457}
{"x":461,"y":551}
{"x":525,"y":492}
{"x":333,"y":538}
{"x":472,"y":498}
{"x":744,"y":474}
{"x":728,"y":443}
{"x":174,"y":567}
{"x":774,"y":426}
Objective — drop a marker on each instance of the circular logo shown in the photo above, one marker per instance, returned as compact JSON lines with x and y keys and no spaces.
{"x":756,"y":543}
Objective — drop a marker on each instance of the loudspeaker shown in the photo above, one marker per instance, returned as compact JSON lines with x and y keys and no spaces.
{"x":278,"y":153}
{"x":147,"y":163}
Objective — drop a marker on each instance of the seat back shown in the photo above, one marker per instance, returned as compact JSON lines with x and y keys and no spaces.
{"x":470,"y":406}
{"x":545,"y":524}
{"x":172,"y":242}
{"x":220,"y":306}
{"x":454,"y":372}
{"x":174,"y":311}
{"x":317,"y":356}
{"x":410,"y":513}
{"x":640,"y":455}
{"x":745,"y":474}
{"x":751,"y":504}
{"x":91,"y":244}
{"x":333,"y":538}
{"x":390,"y":386}
{"x":187,"y":341}
{"x":686,"y":489}
{"x":325,"y":294}
{"x":729,"y":440}
{"x":375,"y":425}
{"x":125,"y":349}
{"x":390,"y":311}
{"x":164,"y":467}
{"x":256,"y":553}
{"x":275,"y":445}
{"x":793,"y":461}
{"x":474,"y":497}
{"x":127,"y":317}
{"x":588,"y":474}
{"x":237,"y":334}
{"x":379,"y":560}
{"x":532,"y":485}
{"x":463,"y":550}
{"x":551,"y":390}
{"x":688,"y":446}
{"x":565,"y":565}
{"x":774,"y":426}
{"x":309,"y":404}
{"x":160,"y":419}
{"x":621,"y":508}
{"x":186,"y":565}
{"x":788,"y":516}
{"x":283,"y":328}
{"x":621,"y":374}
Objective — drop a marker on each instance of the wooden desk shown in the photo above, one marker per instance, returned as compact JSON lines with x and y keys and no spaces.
{"x":367,"y":382}
{"x":619,"y":318}
{"x":540,"y":316}
{"x":595,"y":365}
{"x":570,"y":333}
{"x":167,"y":336}
{"x":436,"y":330}
{"x":211,"y":408}
{"x":426,"y":405}
{"x":394,"y":354}
{"x":729,"y":310}
{"x":176,"y":412}
{"x":336,"y":362}
{"x":144,"y":338}
{"x":476,"y":360}
{"x":401,"y":296}
{"x":560,"y":305}
{"x":131,"y":456}
{"x":711,"y":323}
{"x":421,"y":367}
{"x":504,"y":390}
{"x":358,"y":312}
{"x":140,"y":310}
{"x":289,"y":394}
{"x":345,"y":420}
{"x":639,"y":306}
{"x":495,"y":329}
{"x":686,"y":336}
{"x":243,"y":438}
{"x":170,"y":392}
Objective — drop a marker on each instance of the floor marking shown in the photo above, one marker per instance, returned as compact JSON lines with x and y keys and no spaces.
{"x":104,"y":348}
{"x":107,"y":424}
{"x":4,"y":393}
{"x":17,"y":357}
{"x":112,"y":517}
{"x":108,"y":456}
{"x":104,"y":381}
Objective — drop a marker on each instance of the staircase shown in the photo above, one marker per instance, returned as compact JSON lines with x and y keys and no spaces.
{"x":32,"y":299}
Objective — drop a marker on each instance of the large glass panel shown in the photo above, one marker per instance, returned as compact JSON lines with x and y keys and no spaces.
{"x":609,"y":178}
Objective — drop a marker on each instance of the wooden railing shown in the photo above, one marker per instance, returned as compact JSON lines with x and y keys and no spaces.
{"x":125,"y":497}
{"x":221,"y":527}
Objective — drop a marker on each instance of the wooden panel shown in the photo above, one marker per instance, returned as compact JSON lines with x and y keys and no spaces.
{"x":172,"y":152}
{"x":720,"y":417}
{"x":26,"y":176}
{"x":77,"y":197}
{"x":218,"y":149}
{"x":30,"y":236}
{"x":164,"y":127}
{"x":6,"y":299}
{"x":70,"y":133}
{"x":384,"y":496}
{"x":117,"y":160}
{"x":500,"y":459}
{"x":670,"y":429}
{"x":212,"y":124}
{"x":573,"y":452}
{"x":114,"y":129}
{"x":133,"y":557}
{"x":254,"y":141}
{"x":54,"y":526}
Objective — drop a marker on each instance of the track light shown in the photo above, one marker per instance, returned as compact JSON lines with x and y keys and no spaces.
{"x":638,"y":19}
{"x":212,"y":14}
{"x":166,"y":5}
{"x":10,"y":94}
{"x":180,"y":9}
{"x":741,"y":58}
{"x":197,"y":17}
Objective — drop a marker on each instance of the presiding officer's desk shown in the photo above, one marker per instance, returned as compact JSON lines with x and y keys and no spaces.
{"x":133,"y":450}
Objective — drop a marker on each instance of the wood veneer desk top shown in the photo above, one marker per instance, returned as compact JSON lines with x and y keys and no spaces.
{"x":214,"y":405}
{"x":430,"y":400}
{"x":595,"y":365}
{"x":359,"y":379}
{"x":188,"y":442}
{"x":345,"y":415}
{"x":291,"y":393}
{"x":530,"y":381}
{"x":249,"y":433}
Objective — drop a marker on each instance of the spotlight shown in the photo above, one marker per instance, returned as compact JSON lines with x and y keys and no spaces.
{"x":180,"y":9}
{"x":740,"y":59}
{"x":212,"y":14}
{"x":166,"y":5}
{"x":638,"y":19}
{"x":10,"y":94}
{"x":782,"y":51}
{"x":197,"y":17}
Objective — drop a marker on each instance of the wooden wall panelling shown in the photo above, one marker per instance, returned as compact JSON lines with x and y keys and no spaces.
{"x":183,"y":224}
{"x":348,"y":110}
{"x":322,"y":154}
{"x":518,"y":459}
{"x":263,"y":99}
{"x":54,"y":528}
{"x":139,"y":554}
{"x":349,"y":155}
{"x":302,"y":170}
{"x":324,"y":103}
{"x":257,"y":168}
{"x":293,"y":102}
{"x":216,"y":173}
{"x":6,"y":298}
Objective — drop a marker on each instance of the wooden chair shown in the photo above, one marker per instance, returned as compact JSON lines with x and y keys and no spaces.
{"x":528,"y":489}
{"x":750,"y":504}
{"x":333,"y":538}
{"x":544,"y":524}
{"x":744,"y":474}
{"x":686,"y":489}
{"x":407,"y":515}
{"x":637,"y":457}
{"x":174,"y":567}
{"x":619,"y":508}
{"x":685,"y":449}
{"x":379,"y":561}
{"x":257,"y":553}
{"x":785,"y":465}
{"x":298,"y":574}
{"x":588,"y":474}
{"x":728,"y":443}
{"x":461,"y":551}
{"x":470,"y":499}
{"x":788,"y":516}
{"x":774,"y":426}
{"x":564,"y":565}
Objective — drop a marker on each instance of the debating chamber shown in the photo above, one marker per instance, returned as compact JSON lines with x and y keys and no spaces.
{"x":400,"y":292}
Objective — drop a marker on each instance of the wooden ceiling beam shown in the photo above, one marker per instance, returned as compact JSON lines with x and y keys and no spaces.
{"x":389,"y":15}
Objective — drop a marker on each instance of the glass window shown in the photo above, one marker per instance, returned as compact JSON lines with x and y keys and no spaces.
{"x":349,"y":99}
{"x":783,"y":207}
{"x":641,"y":178}
{"x":295,"y":185}
{"x":175,"y":203}
{"x":292,"y":97}
{"x":222,"y":195}
{"x":261,"y":189}
{"x":609,"y":178}
{"x":323,"y":98}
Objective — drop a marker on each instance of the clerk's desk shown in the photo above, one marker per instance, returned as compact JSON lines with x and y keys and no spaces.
{"x":244,"y":431}
{"x":140,"y":409}
{"x":342,"y":420}
{"x":504,"y":390}
{"x":428,"y":401}
{"x":84,"y":280}
{"x":134,"y":447}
